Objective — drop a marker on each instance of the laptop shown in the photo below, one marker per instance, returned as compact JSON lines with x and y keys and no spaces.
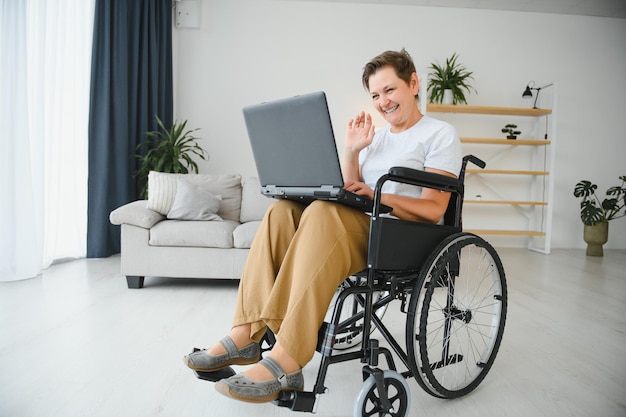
{"x":295,"y":151}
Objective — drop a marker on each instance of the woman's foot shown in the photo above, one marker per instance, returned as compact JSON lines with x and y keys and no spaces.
{"x":240,"y":335}
{"x":235,"y":349}
{"x":280,"y":356}
{"x":241,"y":387}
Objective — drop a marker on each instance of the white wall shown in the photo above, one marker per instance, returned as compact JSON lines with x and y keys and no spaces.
{"x":247,"y":51}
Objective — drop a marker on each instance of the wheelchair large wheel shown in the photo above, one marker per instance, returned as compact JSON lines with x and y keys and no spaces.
{"x":456,"y":316}
{"x":368,"y":402}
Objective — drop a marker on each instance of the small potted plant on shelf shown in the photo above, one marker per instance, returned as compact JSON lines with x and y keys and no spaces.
{"x":596,"y":215}
{"x":447,"y":82}
{"x":169,"y":150}
{"x":511,"y":131}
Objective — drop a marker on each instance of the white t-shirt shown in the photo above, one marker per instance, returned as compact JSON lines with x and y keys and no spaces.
{"x":430,"y":143}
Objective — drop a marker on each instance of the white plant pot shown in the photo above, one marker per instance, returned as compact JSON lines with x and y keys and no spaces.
{"x":447,"y":96}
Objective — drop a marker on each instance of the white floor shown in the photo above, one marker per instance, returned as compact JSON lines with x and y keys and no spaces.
{"x":77,"y":342}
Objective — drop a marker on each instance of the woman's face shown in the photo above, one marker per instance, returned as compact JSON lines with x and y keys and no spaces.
{"x":394,"y":98}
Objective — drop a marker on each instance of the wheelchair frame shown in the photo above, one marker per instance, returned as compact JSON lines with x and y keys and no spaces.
{"x":455,"y":320}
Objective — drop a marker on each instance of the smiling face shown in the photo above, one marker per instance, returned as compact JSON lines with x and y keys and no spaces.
{"x":394,"y":98}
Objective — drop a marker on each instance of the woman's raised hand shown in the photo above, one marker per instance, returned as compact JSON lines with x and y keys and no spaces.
{"x":360,"y":132}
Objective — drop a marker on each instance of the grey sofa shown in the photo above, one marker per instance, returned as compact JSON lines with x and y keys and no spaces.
{"x":191,"y":226}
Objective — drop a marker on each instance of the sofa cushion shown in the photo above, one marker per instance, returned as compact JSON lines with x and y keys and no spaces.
{"x":244,"y":234}
{"x":162,"y":191}
{"x":194,"y":203}
{"x":253,"y":203}
{"x":193,"y":233}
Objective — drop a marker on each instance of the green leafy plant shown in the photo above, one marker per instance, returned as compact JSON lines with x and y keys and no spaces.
{"x":592,"y":211}
{"x":510,"y":130}
{"x":169,"y":151}
{"x":453,"y":76}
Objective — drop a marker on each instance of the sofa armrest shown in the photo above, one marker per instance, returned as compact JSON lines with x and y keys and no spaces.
{"x":136,"y":214}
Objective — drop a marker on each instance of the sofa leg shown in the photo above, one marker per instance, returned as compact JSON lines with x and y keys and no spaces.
{"x":134,"y":281}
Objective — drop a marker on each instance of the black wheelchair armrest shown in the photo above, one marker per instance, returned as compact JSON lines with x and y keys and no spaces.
{"x":424,"y":179}
{"x":414,"y":177}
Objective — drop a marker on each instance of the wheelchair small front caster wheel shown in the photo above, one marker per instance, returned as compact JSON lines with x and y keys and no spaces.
{"x":369,"y":403}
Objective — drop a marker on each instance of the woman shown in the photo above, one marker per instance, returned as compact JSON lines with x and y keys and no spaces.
{"x":301,"y":253}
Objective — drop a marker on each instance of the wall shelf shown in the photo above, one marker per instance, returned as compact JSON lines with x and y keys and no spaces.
{"x":504,"y":111}
{"x":505,"y":172}
{"x":510,"y":142}
{"x":532,"y":157}
{"x":508,"y":203}
{"x":507,"y":232}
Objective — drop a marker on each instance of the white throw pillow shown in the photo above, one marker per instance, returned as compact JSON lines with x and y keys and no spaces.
{"x":194,"y":203}
{"x":162,"y":191}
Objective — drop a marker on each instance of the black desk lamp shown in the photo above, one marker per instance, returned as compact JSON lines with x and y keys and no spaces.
{"x":529,"y":94}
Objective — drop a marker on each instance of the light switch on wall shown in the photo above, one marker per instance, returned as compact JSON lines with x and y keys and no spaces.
{"x":187,"y":13}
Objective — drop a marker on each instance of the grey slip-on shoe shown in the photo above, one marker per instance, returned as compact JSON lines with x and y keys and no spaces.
{"x":200,"y":360}
{"x":242,"y":388}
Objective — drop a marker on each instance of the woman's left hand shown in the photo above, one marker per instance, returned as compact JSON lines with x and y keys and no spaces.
{"x":360,"y":132}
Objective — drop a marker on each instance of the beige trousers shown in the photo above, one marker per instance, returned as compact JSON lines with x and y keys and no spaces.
{"x":299,"y":257}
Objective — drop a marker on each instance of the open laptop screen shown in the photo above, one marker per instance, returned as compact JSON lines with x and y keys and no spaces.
{"x":293,"y":142}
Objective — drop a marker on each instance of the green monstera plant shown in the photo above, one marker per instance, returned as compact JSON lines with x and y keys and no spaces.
{"x":169,"y":150}
{"x":592,"y":210}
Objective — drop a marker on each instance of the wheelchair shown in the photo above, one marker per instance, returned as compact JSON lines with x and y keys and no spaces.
{"x":452,"y":289}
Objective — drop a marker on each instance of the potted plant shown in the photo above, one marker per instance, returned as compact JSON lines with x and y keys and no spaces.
{"x":169,"y":150}
{"x":596,"y":215}
{"x":510,"y":130}
{"x":451,"y":76}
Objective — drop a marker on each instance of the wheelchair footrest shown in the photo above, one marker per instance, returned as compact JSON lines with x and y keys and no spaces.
{"x":296,"y":400}
{"x":215,"y":375}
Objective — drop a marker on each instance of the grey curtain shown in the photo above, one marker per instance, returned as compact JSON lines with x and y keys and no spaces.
{"x":131,"y":82}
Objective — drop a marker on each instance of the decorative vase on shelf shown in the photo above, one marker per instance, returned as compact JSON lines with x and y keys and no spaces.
{"x":595,"y":236}
{"x":447,"y":96}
